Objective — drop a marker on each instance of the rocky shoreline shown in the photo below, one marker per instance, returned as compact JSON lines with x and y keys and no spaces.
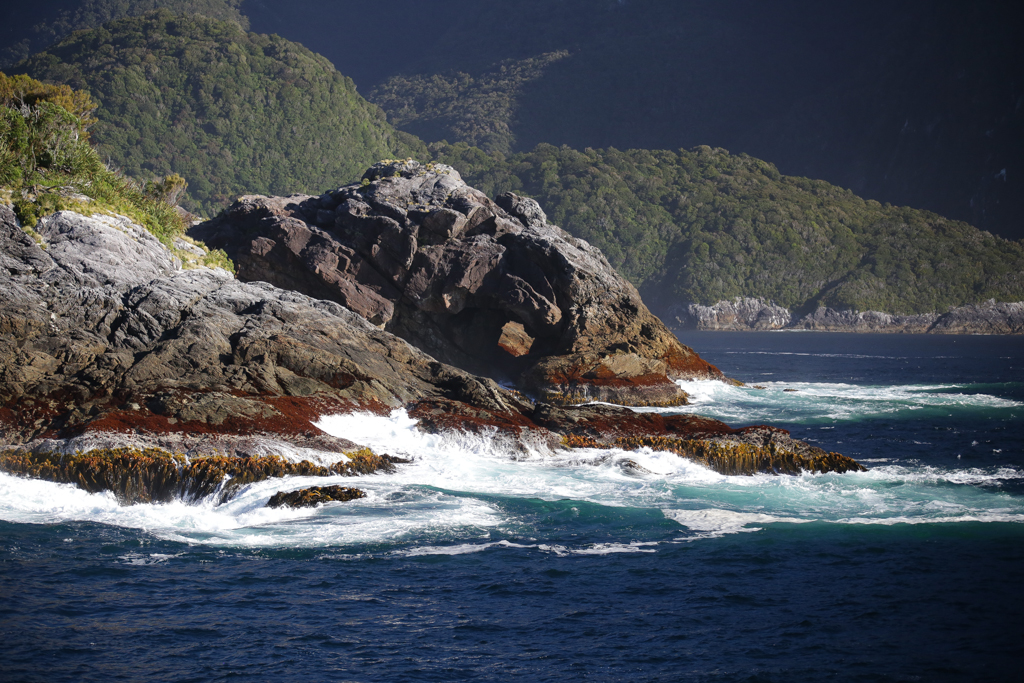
{"x":753,"y":314}
{"x":120,"y":371}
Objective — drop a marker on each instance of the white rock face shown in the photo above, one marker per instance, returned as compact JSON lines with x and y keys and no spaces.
{"x":742,"y":313}
{"x":746,"y":314}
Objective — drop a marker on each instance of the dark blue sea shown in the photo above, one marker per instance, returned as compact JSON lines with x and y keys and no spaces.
{"x":478,"y":563}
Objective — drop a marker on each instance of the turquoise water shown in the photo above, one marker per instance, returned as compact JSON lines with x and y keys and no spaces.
{"x":475,"y":562}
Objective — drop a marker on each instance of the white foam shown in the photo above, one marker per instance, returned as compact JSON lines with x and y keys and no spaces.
{"x":461,"y":493}
{"x":810,"y":402}
{"x":721,"y":521}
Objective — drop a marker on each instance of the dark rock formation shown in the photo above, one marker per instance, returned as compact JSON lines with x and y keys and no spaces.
{"x":747,"y":450}
{"x":744,"y":313}
{"x":101,"y":334}
{"x":156,"y":476}
{"x":487,"y":286}
{"x":313,"y":496}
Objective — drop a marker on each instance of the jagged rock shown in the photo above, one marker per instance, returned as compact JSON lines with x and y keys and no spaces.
{"x":987,"y":318}
{"x":313,"y":496}
{"x":103,"y":334}
{"x":156,"y":476}
{"x":831,"y":320}
{"x":527,"y":210}
{"x":438,"y":263}
{"x":97,"y":352}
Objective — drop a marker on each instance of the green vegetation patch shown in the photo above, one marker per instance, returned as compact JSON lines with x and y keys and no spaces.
{"x":45,"y":23}
{"x":47,"y":164}
{"x":479,"y":110}
{"x":234,"y":112}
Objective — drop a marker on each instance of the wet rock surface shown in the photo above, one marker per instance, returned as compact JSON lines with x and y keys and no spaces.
{"x":313,"y":496}
{"x":713,"y":444}
{"x":487,"y":286}
{"x":157,"y":476}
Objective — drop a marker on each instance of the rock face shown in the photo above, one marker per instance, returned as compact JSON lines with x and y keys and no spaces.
{"x":745,"y":313}
{"x":742,"y":313}
{"x":153,"y":475}
{"x":103,"y":335}
{"x":488,"y":286}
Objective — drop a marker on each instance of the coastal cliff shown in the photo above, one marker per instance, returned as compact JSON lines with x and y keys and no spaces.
{"x":747,"y":313}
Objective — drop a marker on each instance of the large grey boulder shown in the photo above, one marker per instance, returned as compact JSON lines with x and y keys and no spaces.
{"x":490,"y":287}
{"x":103,"y":332}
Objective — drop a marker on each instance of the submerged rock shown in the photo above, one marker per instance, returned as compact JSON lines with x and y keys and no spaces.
{"x":313,"y":496}
{"x":490,"y":287}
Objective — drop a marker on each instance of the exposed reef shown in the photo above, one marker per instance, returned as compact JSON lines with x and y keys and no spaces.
{"x":745,"y":313}
{"x":156,"y":476}
{"x":488,"y":286}
{"x":313,"y":496}
{"x":713,"y":444}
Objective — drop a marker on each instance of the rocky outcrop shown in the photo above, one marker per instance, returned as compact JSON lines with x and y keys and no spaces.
{"x":155,"y":476}
{"x":742,"y":313}
{"x":745,"y":313}
{"x":713,"y":444}
{"x":488,"y":286}
{"x":831,"y":320}
{"x":121,"y":372}
{"x":102,"y":334}
{"x":986,"y":318}
{"x":313,"y":496}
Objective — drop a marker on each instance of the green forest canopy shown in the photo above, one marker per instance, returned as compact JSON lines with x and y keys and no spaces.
{"x":704,"y":225}
{"x":34,"y":26}
{"x":233,"y":112}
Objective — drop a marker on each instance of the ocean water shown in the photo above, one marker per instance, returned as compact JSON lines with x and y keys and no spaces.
{"x":476,"y":563}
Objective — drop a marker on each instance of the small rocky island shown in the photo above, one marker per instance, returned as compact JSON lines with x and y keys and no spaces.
{"x":121,"y":371}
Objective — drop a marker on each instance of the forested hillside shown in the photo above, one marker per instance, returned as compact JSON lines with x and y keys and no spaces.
{"x":478,"y":110}
{"x":915,"y":102}
{"x":238,"y":113}
{"x":704,"y":225}
{"x":28,"y":27}
{"x":47,"y":164}
{"x":233,"y":112}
